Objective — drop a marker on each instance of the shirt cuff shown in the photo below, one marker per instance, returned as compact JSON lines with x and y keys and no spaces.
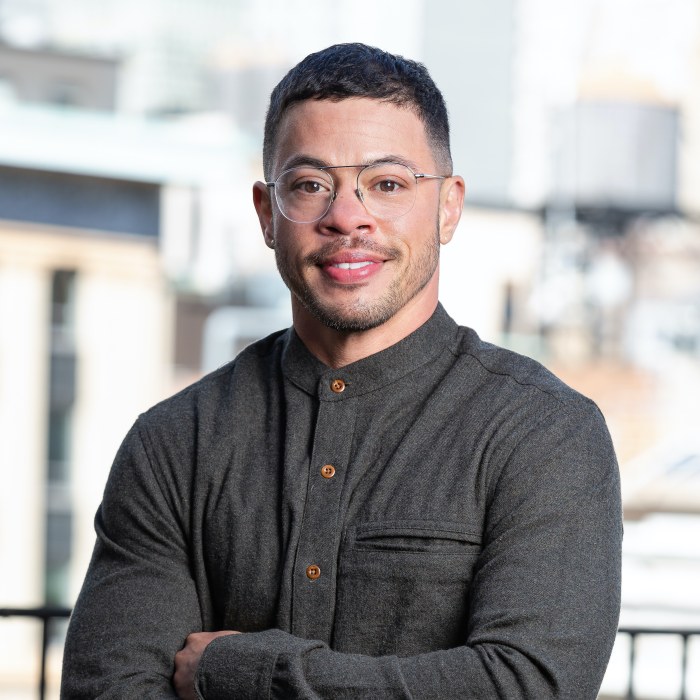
{"x":243,"y":665}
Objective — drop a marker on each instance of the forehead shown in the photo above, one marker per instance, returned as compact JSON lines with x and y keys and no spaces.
{"x":351,"y":131}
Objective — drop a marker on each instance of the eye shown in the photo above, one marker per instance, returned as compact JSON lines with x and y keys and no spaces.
{"x":307,"y":183}
{"x":390,"y":179}
{"x":310,"y":187}
{"x":387,"y":186}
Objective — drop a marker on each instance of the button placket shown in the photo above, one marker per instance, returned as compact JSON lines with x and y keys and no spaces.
{"x":319,"y":539}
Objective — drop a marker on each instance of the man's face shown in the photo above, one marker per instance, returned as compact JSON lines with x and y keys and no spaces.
{"x":351,"y":270}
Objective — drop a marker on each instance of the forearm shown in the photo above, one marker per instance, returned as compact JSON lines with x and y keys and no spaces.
{"x":275,"y":665}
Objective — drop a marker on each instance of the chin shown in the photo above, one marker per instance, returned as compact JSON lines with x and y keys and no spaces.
{"x":356,"y":317}
{"x":350,"y":324}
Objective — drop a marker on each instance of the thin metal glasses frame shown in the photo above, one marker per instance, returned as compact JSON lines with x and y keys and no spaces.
{"x":358,"y":191}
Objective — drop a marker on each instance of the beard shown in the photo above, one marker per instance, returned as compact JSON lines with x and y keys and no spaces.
{"x":358,"y":314}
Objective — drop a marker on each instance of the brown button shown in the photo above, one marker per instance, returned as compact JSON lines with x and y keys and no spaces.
{"x":328,"y":471}
{"x":338,"y":386}
{"x":313,"y":572}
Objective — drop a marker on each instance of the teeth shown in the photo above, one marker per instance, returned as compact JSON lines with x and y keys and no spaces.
{"x":353,"y":265}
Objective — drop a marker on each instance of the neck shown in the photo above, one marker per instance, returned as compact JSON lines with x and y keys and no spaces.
{"x":340,"y":348}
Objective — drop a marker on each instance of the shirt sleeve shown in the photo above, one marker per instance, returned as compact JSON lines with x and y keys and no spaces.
{"x":138,"y":602}
{"x":544,"y":599}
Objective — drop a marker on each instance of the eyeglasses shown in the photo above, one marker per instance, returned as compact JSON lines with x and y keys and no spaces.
{"x":388,"y":190}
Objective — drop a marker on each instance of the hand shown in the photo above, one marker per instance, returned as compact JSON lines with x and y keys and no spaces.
{"x":187,"y":661}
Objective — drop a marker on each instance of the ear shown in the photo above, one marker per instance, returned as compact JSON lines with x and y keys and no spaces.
{"x":451,"y":205}
{"x":263,"y":206}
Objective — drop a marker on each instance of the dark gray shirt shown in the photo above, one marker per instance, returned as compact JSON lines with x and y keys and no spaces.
{"x":439,"y":520}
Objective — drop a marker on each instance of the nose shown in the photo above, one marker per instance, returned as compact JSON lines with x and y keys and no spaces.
{"x":347,"y":212}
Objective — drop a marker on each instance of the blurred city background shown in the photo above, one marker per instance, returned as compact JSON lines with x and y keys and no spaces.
{"x":131,"y":260}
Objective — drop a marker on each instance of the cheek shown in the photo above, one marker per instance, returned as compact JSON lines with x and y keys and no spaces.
{"x":287,"y":238}
{"x":415,"y":239}
{"x":420,"y":225}
{"x":290,"y":250}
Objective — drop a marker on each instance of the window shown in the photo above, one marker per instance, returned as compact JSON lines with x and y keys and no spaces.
{"x":62,"y":373}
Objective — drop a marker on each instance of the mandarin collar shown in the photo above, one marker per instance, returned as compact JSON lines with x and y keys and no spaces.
{"x":370,"y":373}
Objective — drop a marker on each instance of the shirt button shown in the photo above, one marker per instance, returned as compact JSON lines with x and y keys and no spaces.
{"x":313,"y":572}
{"x":337,"y":386}
{"x":328,"y":471}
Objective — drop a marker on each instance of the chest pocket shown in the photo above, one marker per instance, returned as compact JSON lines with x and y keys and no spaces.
{"x":403,"y":587}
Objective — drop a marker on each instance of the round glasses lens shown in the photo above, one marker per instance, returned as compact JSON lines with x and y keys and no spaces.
{"x":304,"y":194}
{"x":388,"y":189}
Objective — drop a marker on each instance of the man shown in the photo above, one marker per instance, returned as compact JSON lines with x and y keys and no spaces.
{"x":374,"y":503}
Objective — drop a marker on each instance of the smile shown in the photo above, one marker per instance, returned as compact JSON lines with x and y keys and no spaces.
{"x":351,"y":272}
{"x":352,"y":265}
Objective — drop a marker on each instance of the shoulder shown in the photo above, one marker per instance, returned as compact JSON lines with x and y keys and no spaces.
{"x":217,"y":392}
{"x":536,"y":424}
{"x":513,"y":373}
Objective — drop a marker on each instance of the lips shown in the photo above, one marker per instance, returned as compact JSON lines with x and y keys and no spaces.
{"x":351,"y":264}
{"x":352,"y":268}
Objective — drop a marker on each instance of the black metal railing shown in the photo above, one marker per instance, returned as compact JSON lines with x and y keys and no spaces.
{"x":47,"y":615}
{"x":635,"y":632}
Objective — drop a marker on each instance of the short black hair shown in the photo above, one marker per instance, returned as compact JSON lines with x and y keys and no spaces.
{"x":357,"y":70}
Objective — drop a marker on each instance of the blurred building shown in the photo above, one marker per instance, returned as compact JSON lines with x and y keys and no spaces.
{"x":105,"y":220}
{"x":46,"y":75}
{"x":86,"y":318}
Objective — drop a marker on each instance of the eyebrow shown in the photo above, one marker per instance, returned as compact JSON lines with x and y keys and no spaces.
{"x":303,"y":159}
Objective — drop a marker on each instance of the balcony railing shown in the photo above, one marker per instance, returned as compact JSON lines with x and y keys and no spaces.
{"x":48,"y":614}
{"x":635,"y":632}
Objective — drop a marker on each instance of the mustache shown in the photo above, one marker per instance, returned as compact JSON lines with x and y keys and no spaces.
{"x":336,"y":246}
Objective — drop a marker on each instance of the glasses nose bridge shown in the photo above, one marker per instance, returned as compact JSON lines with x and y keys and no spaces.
{"x":336,"y":184}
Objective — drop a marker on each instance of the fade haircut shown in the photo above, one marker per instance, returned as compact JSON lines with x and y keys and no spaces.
{"x":356,"y":70}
